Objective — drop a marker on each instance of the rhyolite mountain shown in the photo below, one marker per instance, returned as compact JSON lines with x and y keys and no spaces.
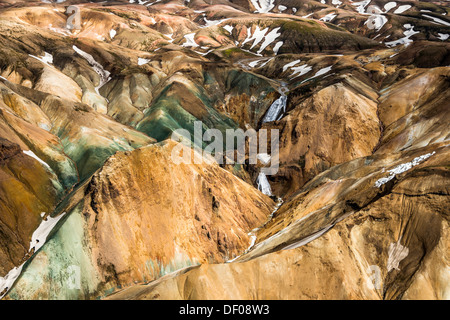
{"x":93,"y":206}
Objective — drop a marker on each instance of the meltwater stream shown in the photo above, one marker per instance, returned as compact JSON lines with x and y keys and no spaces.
{"x":263,"y":184}
{"x":98,"y":68}
{"x":278,"y":107}
{"x":252,"y":233}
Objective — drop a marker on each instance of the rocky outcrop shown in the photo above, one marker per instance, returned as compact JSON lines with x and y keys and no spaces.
{"x":340,"y":239}
{"x":336,"y":124}
{"x":28,"y":188}
{"x":142,"y":216}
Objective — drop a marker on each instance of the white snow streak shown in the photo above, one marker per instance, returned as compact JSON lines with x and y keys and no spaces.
{"x":437,"y":20}
{"x":104,"y":74}
{"x":270,"y":37}
{"x":405,"y":40}
{"x":38,"y":239}
{"x":290,"y":64}
{"x":402,"y":9}
{"x":361,"y":6}
{"x":190,"y":42}
{"x":142,"y":61}
{"x":301,"y":70}
{"x":228,"y":28}
{"x":262,"y":35}
{"x":277,"y":46}
{"x":443,"y":36}
{"x":397,"y":253}
{"x":390,"y":5}
{"x":402,"y":168}
{"x":47,"y":58}
{"x":263,"y":6}
{"x":319,"y":73}
{"x":41,"y":233}
{"x":329,"y":17}
{"x":33,"y":155}
{"x":263,"y":184}
{"x":378,"y":20}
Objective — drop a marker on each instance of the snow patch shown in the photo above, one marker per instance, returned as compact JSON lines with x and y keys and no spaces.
{"x":319,"y":73}
{"x":228,"y":28}
{"x":390,"y":5}
{"x":170,"y":36}
{"x":300,"y":71}
{"x":297,"y":71}
{"x":142,"y":61}
{"x":396,"y":253}
{"x":328,"y":17}
{"x":377,"y":20}
{"x":33,"y":155}
{"x":361,"y":6}
{"x":268,"y":60}
{"x":322,"y":71}
{"x":190,"y":41}
{"x":7,"y":282}
{"x":437,"y":20}
{"x":277,"y":46}
{"x":290,"y":64}
{"x":38,"y":239}
{"x":405,"y":40}
{"x":402,"y":9}
{"x":263,"y":184}
{"x":104,"y":74}
{"x":41,"y":233}
{"x":47,"y":58}
{"x":270,"y":37}
{"x":254,"y":63}
{"x":402,"y":168}
{"x":257,"y":36}
{"x":263,"y":6}
{"x":262,"y":35}
{"x":210,"y":23}
{"x":443,"y":36}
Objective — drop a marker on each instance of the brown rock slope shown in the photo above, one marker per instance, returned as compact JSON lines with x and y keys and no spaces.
{"x":337,"y":123}
{"x":336,"y":237}
{"x":377,"y":220}
{"x":27,"y":188}
{"x":143,"y":216}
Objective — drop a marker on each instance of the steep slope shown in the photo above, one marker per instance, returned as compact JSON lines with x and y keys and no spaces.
{"x":140,"y":217}
{"x":340,"y":240}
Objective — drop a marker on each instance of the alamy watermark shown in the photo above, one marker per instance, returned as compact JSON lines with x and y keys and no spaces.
{"x":374,"y":281}
{"x":74,"y":20}
{"x":228,"y":146}
{"x":73,"y":273}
